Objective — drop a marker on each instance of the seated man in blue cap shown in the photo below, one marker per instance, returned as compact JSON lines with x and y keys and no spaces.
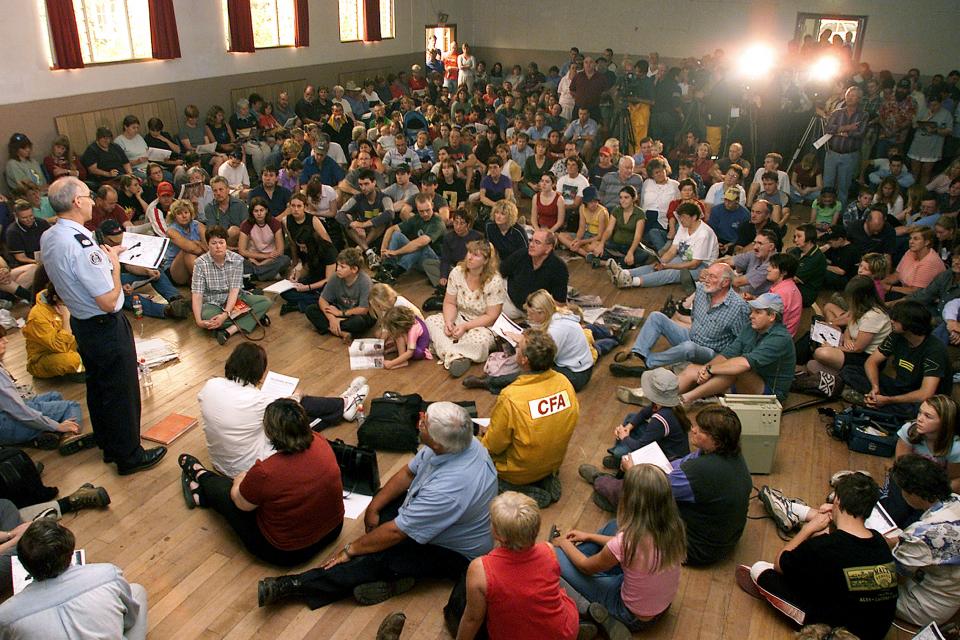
{"x":759,"y":361}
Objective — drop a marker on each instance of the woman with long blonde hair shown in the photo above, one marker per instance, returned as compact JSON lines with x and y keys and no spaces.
{"x":647,"y":542}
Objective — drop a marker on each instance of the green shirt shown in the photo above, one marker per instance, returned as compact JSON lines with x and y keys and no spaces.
{"x":771,"y":356}
{"x":623,"y":231}
{"x":416,"y":226}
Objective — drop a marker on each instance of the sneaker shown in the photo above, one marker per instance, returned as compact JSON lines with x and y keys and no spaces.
{"x":372,"y":593}
{"x":623,"y":280}
{"x":459,"y":367}
{"x":780,"y":508}
{"x":373,"y":260}
{"x":853,"y":397}
{"x":49,"y":512}
{"x":615,"y":630}
{"x":88,"y":497}
{"x":588,"y":472}
{"x":835,"y":478}
{"x":629,"y":395}
{"x":746,"y":583}
{"x":354,"y":396}
{"x":587,"y":631}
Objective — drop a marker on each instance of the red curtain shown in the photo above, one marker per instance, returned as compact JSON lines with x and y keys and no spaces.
{"x":64,"y":33}
{"x":241,"y":26}
{"x":301,"y":18}
{"x":371,"y":21}
{"x":163,"y":30}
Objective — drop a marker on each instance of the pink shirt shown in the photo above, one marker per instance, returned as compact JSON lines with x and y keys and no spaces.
{"x":919,"y":273}
{"x":792,"y":304}
{"x":645,"y":593}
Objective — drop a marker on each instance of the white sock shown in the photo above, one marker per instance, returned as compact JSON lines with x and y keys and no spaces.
{"x":637,"y":281}
{"x":801,"y":510}
{"x":758,"y":568}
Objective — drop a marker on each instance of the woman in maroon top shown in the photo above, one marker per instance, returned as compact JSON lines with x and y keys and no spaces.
{"x":516,"y":587}
{"x":287,"y":507}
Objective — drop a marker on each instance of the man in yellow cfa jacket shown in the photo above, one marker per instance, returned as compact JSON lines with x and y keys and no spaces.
{"x":532,"y":422}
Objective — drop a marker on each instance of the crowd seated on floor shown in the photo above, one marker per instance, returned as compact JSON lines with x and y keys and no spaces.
{"x":485,"y":186}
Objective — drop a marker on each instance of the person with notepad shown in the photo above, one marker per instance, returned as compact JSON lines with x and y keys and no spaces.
{"x":73,"y":602}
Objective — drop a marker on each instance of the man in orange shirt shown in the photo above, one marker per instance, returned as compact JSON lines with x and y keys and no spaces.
{"x":451,"y":69}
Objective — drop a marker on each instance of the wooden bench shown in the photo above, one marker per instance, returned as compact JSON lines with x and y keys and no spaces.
{"x":269,"y":92}
{"x":81,"y":128}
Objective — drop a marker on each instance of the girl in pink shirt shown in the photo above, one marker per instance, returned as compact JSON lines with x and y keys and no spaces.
{"x":782,"y":269}
{"x":646,"y":541}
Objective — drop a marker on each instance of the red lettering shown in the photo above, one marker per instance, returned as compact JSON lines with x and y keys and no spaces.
{"x":542,"y":406}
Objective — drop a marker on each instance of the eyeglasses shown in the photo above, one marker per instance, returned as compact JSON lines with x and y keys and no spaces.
{"x":86,"y":195}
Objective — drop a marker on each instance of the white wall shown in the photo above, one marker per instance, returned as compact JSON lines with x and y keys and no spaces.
{"x":25,"y":74}
{"x":900,"y":33}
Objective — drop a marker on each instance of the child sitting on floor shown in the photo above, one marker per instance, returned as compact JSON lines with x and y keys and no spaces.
{"x":410,"y":335}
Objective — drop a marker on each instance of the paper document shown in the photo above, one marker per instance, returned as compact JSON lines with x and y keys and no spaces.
{"x":881,"y":522}
{"x":21,"y":578}
{"x":930,"y":632}
{"x":825,"y":334}
{"x":652,"y":454}
{"x":290,"y":123}
{"x":354,"y":504}
{"x":822,"y":140}
{"x":207,"y":148}
{"x":593,"y":314}
{"x":366,"y":353}
{"x":279,"y":385}
{"x":158,"y":155}
{"x":279,"y":287}
{"x":192,"y":190}
{"x":155,"y":351}
{"x":143,"y":251}
{"x":505,"y":326}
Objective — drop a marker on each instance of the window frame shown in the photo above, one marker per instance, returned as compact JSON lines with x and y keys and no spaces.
{"x":276,"y":8}
{"x":803,"y":16}
{"x":358,"y":4}
{"x":86,"y":42}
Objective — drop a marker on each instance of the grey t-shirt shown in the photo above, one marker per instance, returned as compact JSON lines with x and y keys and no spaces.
{"x":343,"y":296}
{"x":196,"y":135}
{"x":399,"y":195}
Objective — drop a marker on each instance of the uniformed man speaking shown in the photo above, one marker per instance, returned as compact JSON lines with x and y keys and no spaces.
{"x":87,"y":278}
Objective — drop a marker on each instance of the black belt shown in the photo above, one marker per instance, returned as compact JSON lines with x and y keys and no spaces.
{"x":103,"y":318}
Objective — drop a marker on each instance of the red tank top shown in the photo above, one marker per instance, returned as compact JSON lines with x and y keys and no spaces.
{"x":547,"y":213}
{"x":524,"y":598}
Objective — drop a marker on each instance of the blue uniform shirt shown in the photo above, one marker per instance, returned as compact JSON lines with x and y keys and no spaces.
{"x":78,"y":268}
{"x":448,"y":502}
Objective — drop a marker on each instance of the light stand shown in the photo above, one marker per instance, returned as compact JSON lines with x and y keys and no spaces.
{"x":814,"y":127}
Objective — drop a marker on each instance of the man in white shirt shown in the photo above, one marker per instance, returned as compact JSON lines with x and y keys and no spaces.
{"x":235,"y":172}
{"x":771,"y":162}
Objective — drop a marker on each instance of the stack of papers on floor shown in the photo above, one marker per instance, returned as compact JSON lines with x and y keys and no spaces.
{"x":366,"y":353}
{"x":156,"y":351}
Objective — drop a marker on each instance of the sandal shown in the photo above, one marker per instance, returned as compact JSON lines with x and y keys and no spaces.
{"x":623,"y":356}
{"x":192,"y":497}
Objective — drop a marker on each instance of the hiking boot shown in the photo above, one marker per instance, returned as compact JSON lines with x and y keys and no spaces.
{"x":392,"y":626}
{"x":372,"y":593}
{"x":587,"y":631}
{"x":73,"y":443}
{"x":46,"y":440}
{"x":627,"y":370}
{"x":611,"y":462}
{"x":615,"y":630}
{"x":178,"y":309}
{"x":781,"y":508}
{"x":88,"y":497}
{"x":589,"y":472}
{"x":853,"y":397}
{"x":271,"y":590}
{"x":623,"y":280}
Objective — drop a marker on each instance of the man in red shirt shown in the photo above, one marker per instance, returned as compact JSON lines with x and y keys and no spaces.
{"x":105,"y":207}
{"x":588,"y":86}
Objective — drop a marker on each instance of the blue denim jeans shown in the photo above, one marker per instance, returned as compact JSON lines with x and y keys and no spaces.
{"x":162,"y":285}
{"x":653,"y":278}
{"x":409,"y":260}
{"x":682,"y":349}
{"x":839,"y":170}
{"x":51,"y":405}
{"x":601,"y":587}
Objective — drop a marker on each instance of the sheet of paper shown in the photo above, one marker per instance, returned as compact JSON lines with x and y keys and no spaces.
{"x":143,"y":250}
{"x":822,"y":140}
{"x":505,"y":326}
{"x":366,"y":353}
{"x":881,"y":522}
{"x":21,"y":578}
{"x":279,"y":286}
{"x":592,"y":314}
{"x":354,"y":504}
{"x":481,"y":422}
{"x":191,"y":190}
{"x":157,"y":155}
{"x":929,"y":632}
{"x":207,"y":148}
{"x":825,"y":334}
{"x":279,"y":385}
{"x":290,"y":123}
{"x":155,"y":351}
{"x":652,"y":454}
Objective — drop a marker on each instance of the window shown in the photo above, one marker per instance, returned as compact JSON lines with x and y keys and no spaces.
{"x":113,"y":30}
{"x":813,"y":26}
{"x":352,"y":19}
{"x":274,"y":23}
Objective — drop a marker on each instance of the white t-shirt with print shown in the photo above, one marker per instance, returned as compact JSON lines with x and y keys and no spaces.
{"x":702,"y":245}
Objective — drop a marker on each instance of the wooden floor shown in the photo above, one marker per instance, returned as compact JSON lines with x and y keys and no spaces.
{"x":202,"y":584}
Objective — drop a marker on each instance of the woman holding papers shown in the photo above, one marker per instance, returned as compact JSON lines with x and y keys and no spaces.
{"x":286,"y":507}
{"x":631,"y":567}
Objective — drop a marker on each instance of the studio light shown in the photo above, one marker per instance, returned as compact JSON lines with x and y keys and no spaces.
{"x":757,"y":60}
{"x":825,"y":68}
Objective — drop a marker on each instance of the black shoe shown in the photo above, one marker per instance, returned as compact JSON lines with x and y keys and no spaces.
{"x":149,"y":458}
{"x":475,"y":382}
{"x":70,"y":445}
{"x":627,"y":370}
{"x":385,"y":275}
{"x":289,"y":307}
{"x":265,"y":320}
{"x":372,"y":593}
{"x":669,"y":307}
{"x":611,"y":462}
{"x":80,"y":377}
{"x":392,"y":626}
{"x":433,"y":303}
{"x":271,"y":590}
{"x":46,"y":440}
{"x":222,"y":337}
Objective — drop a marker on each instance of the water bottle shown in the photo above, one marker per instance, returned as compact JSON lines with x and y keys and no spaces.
{"x":361,"y":416}
{"x":145,"y":375}
{"x":138,"y":313}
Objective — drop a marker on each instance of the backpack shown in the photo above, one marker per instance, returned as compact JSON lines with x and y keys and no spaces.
{"x":20,"y":481}
{"x":391,"y":423}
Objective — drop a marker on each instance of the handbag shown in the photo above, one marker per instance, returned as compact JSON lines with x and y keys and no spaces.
{"x":391,"y":423}
{"x":867,"y":431}
{"x":500,"y":363}
{"x":359,"y":470}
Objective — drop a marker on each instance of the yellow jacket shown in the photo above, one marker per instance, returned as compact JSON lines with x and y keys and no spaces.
{"x":531,"y":425}
{"x":43,"y":334}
